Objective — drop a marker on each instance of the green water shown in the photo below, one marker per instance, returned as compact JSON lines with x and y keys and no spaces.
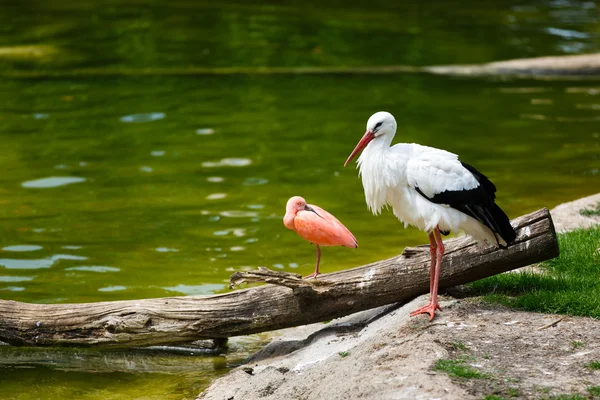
{"x":172,"y":181}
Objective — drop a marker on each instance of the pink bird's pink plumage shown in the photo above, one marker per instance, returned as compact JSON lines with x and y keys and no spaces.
{"x":322,"y":228}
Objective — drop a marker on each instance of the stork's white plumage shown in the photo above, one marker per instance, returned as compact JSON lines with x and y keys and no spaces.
{"x":430,"y":189}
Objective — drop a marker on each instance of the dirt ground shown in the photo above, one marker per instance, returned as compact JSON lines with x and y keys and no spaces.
{"x":520,"y":359}
{"x":394,"y":357}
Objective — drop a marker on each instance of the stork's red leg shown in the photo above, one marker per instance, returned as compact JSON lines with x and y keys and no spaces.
{"x":314,"y":274}
{"x":432,"y":254}
{"x":435,"y":279}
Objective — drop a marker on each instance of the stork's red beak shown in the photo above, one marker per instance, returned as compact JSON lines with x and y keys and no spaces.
{"x":361,"y":145}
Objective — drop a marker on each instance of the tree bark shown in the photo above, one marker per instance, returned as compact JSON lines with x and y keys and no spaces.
{"x":290,"y":302}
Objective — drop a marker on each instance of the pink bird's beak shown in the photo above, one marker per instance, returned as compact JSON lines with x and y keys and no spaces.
{"x":368,"y":136}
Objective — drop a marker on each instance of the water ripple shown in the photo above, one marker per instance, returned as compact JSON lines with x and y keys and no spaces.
{"x":140,"y":118}
{"x":216,"y":196}
{"x":93,"y":268}
{"x":238,"y":214}
{"x":207,"y":288}
{"x":567,"y":33}
{"x":205,"y":131}
{"x":239,"y":232}
{"x":42,"y":263}
{"x":16,"y":278}
{"x":228,"y":162}
{"x":255,"y":181}
{"x":10,"y":263}
{"x":23,"y":247}
{"x":52,"y":181}
{"x":112,"y":288}
{"x":14,"y":288}
{"x":166,"y":250}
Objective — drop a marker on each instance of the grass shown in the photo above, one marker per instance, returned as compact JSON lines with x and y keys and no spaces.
{"x":458,"y":369}
{"x":591,"y":212}
{"x":577,"y":344}
{"x":570,"y":283}
{"x":344,"y":354}
{"x":459,"y":346}
{"x":594,"y":365}
{"x":594,"y":391}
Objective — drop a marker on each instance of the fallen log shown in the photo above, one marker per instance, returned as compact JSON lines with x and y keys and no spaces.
{"x":289,"y":302}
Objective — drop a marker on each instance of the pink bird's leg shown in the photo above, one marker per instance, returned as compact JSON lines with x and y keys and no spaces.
{"x":433,"y":300}
{"x":432,"y":252}
{"x":314,"y":274}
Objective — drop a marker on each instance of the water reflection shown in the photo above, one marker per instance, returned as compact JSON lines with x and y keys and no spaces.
{"x":239,"y":232}
{"x":13,"y":288}
{"x":93,"y":268}
{"x":112,"y":288}
{"x":15,"y":278}
{"x":228,"y":162}
{"x":42,"y":263}
{"x":53,"y":181}
{"x":567,"y":33}
{"x":22,"y":247}
{"x":140,"y":118}
{"x":238,"y":214}
{"x":166,"y":250}
{"x":204,"y":289}
{"x":205,"y":131}
{"x":588,"y":106}
{"x":216,"y":196}
{"x":215,"y":179}
{"x":255,"y":181}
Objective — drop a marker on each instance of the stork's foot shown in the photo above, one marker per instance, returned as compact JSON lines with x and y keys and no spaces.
{"x":313,"y":275}
{"x":429,"y":309}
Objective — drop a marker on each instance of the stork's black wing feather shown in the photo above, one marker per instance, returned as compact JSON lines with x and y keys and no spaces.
{"x":477,"y":203}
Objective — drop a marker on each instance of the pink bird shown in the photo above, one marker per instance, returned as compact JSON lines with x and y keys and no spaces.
{"x":317,"y":226}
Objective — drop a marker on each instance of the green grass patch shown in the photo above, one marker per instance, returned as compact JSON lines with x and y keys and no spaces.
{"x":594,"y":365}
{"x":493,"y":397}
{"x":577,"y":344}
{"x":569,"y":284}
{"x":344,"y":354}
{"x":459,"y":346}
{"x":591,"y":212}
{"x":458,"y":369}
{"x":594,"y":391}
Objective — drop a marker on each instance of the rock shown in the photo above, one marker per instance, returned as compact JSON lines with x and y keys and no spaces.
{"x":567,"y":216}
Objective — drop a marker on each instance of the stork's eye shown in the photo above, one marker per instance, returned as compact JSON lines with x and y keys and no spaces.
{"x":377,"y":125}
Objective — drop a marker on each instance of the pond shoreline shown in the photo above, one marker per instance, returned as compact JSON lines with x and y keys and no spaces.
{"x":580,"y":66}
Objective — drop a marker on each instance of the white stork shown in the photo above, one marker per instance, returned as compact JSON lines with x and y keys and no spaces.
{"x":431,"y":190}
